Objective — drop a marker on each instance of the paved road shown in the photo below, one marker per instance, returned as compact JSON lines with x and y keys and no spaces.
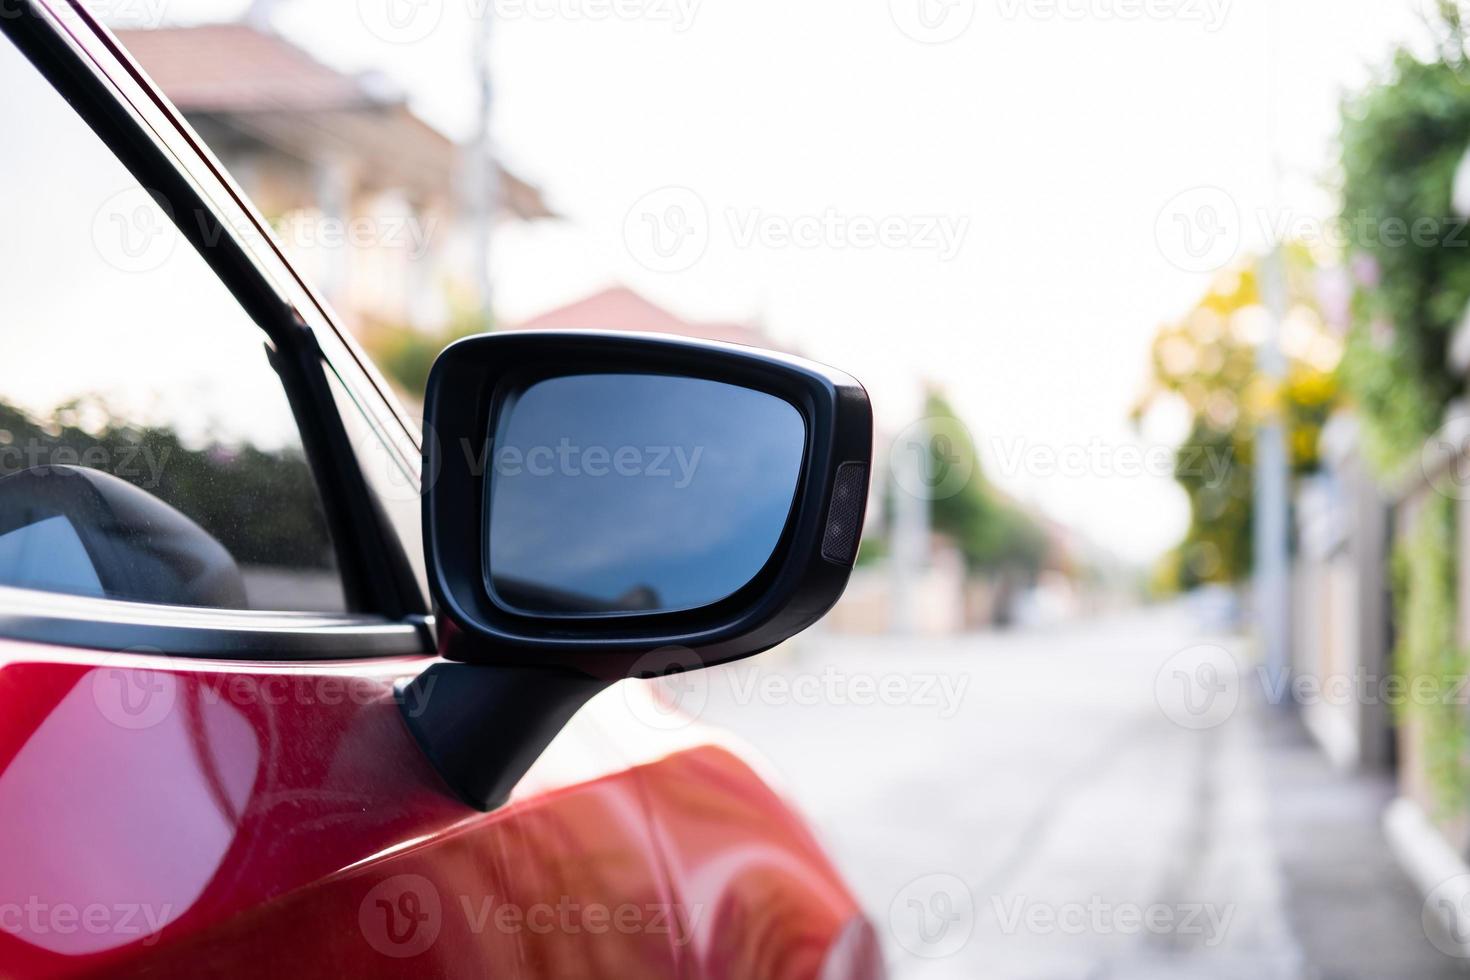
{"x":1021,"y":805}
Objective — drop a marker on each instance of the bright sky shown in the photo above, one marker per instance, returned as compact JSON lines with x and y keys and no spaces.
{"x":1021,"y":174}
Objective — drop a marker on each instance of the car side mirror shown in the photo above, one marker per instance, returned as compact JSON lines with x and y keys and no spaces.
{"x":602,"y":506}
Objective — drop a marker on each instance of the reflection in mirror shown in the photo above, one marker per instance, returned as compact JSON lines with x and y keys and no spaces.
{"x":636,"y":493}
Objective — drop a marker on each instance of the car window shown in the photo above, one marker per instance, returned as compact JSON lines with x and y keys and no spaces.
{"x":148,"y":450}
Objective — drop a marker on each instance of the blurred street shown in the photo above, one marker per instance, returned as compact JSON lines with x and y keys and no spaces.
{"x":1022,"y":805}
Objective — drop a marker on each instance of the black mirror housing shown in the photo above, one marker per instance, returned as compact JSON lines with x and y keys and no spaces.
{"x":470,"y":391}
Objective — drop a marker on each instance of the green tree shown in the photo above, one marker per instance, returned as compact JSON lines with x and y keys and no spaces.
{"x":1402,"y":141}
{"x":1207,"y":361}
{"x":991,"y":532}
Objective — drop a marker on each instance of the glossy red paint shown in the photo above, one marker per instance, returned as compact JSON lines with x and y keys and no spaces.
{"x":168,"y":817}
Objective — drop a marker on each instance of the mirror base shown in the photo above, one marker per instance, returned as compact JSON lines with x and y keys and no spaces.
{"x":482,"y":727}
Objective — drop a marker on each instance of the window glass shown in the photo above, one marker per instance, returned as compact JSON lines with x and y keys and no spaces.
{"x":147,"y":447}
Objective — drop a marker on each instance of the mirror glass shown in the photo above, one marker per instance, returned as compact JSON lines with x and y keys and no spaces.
{"x":636,"y":493}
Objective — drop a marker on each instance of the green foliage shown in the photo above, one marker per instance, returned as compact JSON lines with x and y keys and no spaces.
{"x":261,"y":505}
{"x":1402,"y":141}
{"x":991,"y":532}
{"x":872,"y":551}
{"x":405,"y":354}
{"x":1426,"y":654}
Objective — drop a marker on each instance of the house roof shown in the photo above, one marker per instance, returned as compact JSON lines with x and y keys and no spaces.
{"x":237,"y":68}
{"x":620,"y":309}
{"x":259,"y":85}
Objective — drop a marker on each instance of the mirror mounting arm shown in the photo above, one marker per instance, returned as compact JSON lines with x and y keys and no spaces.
{"x":482,"y":726}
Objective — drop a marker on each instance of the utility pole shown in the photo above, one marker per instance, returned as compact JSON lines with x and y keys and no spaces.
{"x":484,"y":176}
{"x":1273,"y":483}
{"x":909,"y":465}
{"x":1273,"y":460}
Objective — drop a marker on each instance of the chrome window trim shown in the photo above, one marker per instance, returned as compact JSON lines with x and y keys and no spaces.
{"x":57,"y":619}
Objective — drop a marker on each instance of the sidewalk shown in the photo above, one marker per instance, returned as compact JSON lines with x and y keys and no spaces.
{"x":1353,"y":911}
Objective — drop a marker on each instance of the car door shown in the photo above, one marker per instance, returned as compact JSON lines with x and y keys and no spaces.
{"x":209,"y":588}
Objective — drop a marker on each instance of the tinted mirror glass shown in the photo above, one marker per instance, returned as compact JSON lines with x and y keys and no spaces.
{"x":636,"y":493}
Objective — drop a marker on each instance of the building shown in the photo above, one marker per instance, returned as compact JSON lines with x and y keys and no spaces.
{"x":367,"y":198}
{"x":620,"y":308}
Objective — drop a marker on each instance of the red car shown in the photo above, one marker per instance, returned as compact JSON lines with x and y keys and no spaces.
{"x":288,"y":689}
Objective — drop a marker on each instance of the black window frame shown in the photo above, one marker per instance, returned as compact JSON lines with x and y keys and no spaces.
{"x":389,"y":612}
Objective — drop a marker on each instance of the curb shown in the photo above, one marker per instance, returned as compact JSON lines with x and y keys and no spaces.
{"x":1435,"y":868}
